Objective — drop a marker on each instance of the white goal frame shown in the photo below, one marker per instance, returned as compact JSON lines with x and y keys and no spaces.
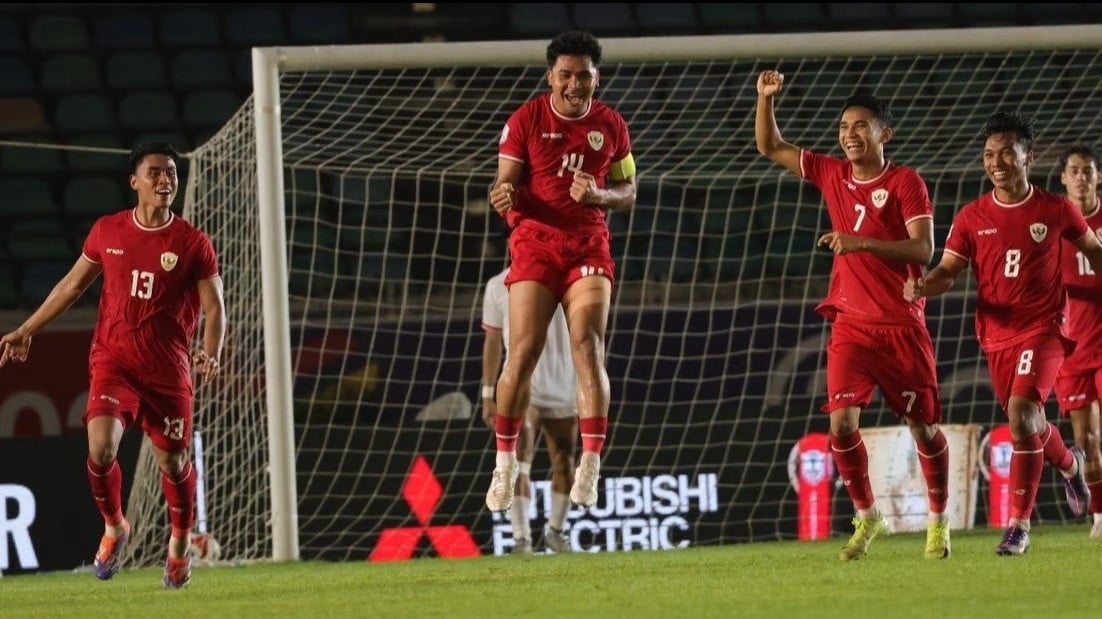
{"x":268,"y":63}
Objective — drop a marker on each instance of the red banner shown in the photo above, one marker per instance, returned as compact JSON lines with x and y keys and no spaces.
{"x":815,"y":478}
{"x":46,"y":395}
{"x":999,"y":447}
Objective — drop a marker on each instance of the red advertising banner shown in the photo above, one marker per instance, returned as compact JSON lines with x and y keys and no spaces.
{"x":999,"y":447}
{"x":814,"y":485}
{"x":46,"y":395}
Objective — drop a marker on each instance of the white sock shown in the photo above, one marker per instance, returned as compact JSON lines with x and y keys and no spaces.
{"x":1097,"y":518}
{"x":936,"y":517}
{"x":506,"y":458}
{"x":560,"y":505}
{"x":1020,"y":523}
{"x":518,"y":514}
{"x":871,"y":512}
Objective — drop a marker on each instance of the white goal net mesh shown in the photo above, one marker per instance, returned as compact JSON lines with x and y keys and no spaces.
{"x":714,"y":351}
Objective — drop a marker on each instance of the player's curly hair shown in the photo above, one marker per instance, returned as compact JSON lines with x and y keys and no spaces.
{"x":1020,"y":123}
{"x":574,"y":43}
{"x":151,"y":148}
{"x":1080,"y":150}
{"x":872,"y":103}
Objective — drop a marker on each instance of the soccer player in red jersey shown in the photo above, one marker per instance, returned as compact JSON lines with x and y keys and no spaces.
{"x":158,"y":272}
{"x":882,"y":233}
{"x":1012,"y":238}
{"x":564,"y":159}
{"x":1079,"y":381}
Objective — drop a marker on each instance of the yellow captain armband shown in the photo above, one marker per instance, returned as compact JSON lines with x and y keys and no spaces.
{"x":623,"y":169}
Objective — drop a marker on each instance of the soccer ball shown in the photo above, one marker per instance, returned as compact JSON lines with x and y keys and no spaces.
{"x":204,"y":548}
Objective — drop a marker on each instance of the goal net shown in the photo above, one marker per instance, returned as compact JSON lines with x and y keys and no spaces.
{"x":360,"y":326}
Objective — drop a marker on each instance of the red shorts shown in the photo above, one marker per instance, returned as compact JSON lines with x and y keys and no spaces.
{"x":898,"y":358}
{"x":1077,"y":390}
{"x":1027,"y":370}
{"x":165,"y":416}
{"x":556,"y":259}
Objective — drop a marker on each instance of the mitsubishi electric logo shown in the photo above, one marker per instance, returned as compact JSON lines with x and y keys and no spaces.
{"x":632,"y":513}
{"x":422,"y":492}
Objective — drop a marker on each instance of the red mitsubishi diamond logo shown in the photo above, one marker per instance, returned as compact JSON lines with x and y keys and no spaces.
{"x":422,"y":492}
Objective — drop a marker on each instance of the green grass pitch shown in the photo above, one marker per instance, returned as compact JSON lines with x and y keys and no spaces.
{"x":1060,"y":576}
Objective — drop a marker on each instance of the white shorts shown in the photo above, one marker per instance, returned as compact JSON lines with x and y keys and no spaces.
{"x":555,"y":412}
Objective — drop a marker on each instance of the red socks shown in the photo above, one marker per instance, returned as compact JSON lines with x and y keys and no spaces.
{"x":852,"y":461}
{"x":1056,"y":452}
{"x":507,"y":429}
{"x":593,"y":431}
{"x":1026,"y":462}
{"x":180,"y":497}
{"x":106,"y":482}
{"x":934,"y":458}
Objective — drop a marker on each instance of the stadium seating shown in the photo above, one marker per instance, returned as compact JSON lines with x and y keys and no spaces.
{"x":255,"y":26}
{"x":39,"y":278}
{"x":70,"y":73}
{"x":731,"y":17}
{"x":40,"y":240}
{"x":922,"y":15}
{"x":190,"y":28}
{"x":320,"y":24}
{"x":85,"y":112}
{"x":91,"y":196}
{"x":604,"y":18}
{"x":859,"y":14}
{"x":16,"y":76}
{"x":26,"y":196}
{"x":201,"y":68}
{"x":20,"y":115}
{"x":11,"y":34}
{"x":538,"y":19}
{"x":987,"y":14}
{"x":9,"y":291}
{"x":146,"y":110}
{"x":59,"y":33}
{"x":123,"y":31}
{"x":666,"y":18}
{"x":109,"y":75}
{"x":19,"y":161}
{"x":93,"y":160}
{"x":136,"y":70}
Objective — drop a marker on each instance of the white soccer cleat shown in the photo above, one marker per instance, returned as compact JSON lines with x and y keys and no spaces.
{"x":521,"y":547}
{"x":555,"y":540}
{"x":1096,"y":529}
{"x":584,"y":491}
{"x":500,"y":495}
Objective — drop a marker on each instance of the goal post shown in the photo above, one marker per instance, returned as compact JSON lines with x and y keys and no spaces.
{"x":274,"y":300}
{"x":347,"y":199}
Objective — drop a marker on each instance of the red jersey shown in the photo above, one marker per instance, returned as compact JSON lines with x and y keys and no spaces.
{"x":1084,"y":302}
{"x":864,"y":287}
{"x":1014,"y":250}
{"x":149,"y":307}
{"x":553,"y":147}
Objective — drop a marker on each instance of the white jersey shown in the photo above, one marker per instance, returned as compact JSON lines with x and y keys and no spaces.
{"x":554,"y":381}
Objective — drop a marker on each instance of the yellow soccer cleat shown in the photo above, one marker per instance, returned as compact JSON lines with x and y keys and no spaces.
{"x":865,"y":531}
{"x":937,"y":540}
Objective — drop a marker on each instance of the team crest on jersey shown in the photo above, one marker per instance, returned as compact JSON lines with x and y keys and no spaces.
{"x":1038,"y":232}
{"x":596,"y":139}
{"x":880,"y":198}
{"x":169,"y":260}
